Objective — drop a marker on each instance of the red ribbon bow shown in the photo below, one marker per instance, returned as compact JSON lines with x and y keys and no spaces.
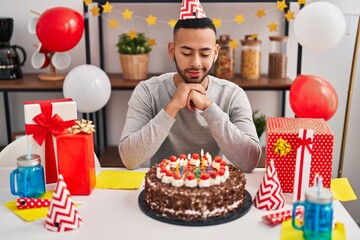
{"x":305,"y":142}
{"x":46,"y":126}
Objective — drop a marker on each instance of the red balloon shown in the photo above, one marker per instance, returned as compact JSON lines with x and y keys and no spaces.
{"x":59,"y":29}
{"x":313,"y":97}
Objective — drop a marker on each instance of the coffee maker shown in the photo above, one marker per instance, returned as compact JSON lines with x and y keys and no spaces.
{"x":9,"y":55}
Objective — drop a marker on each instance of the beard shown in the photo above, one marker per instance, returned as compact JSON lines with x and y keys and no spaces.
{"x":190,"y":79}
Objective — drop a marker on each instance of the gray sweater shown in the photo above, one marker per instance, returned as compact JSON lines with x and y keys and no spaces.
{"x":225,"y":128}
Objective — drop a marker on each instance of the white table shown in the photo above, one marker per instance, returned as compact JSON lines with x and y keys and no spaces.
{"x":115,"y":214}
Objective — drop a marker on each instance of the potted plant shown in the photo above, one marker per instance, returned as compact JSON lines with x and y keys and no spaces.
{"x":134,"y":51}
{"x":260,"y":122}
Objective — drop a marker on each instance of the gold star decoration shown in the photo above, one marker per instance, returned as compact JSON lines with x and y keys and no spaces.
{"x":272,"y":27}
{"x":234,"y":44}
{"x":95,"y":11}
{"x":172,"y":23}
{"x":88,"y":2}
{"x":260,"y":13}
{"x":289,"y":15}
{"x":217,"y":22}
{"x":301,"y":2}
{"x":151,"y":41}
{"x":132,"y":34}
{"x":151,"y":20}
{"x":239,"y":19}
{"x":254,"y":36}
{"x":281,"y":5}
{"x":113,"y":23}
{"x":127,"y":14}
{"x":107,"y":7}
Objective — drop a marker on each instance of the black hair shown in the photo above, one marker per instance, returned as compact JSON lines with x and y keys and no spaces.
{"x":196,"y":23}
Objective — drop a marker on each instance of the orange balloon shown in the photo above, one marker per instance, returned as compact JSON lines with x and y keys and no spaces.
{"x":313,"y":97}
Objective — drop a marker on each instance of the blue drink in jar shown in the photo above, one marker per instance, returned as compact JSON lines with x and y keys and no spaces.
{"x":27,"y":180}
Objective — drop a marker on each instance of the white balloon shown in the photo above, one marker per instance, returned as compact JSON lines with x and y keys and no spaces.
{"x":319,"y":26}
{"x":88,"y":86}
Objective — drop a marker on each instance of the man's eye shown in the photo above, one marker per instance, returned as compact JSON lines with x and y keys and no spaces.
{"x":205,"y":55}
{"x":186,"y":54}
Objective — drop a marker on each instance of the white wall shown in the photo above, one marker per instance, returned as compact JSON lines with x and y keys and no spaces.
{"x":333,"y":65}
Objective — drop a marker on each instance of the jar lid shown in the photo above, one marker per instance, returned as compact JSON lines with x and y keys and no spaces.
{"x":279,"y":38}
{"x":250,"y":40}
{"x":323,"y":196}
{"x":23,"y":161}
{"x":224,"y":38}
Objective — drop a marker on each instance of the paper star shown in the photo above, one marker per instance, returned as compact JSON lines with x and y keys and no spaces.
{"x":107,"y":7}
{"x":272,"y":27}
{"x":95,"y":11}
{"x":281,"y":5}
{"x":254,"y":36}
{"x":289,"y":15}
{"x":151,"y":20}
{"x":239,"y":19}
{"x":301,"y":2}
{"x":87,"y":2}
{"x":172,"y":23}
{"x":151,"y":41}
{"x":127,"y":14}
{"x":132,"y":34}
{"x":113,"y":23}
{"x":234,"y":44}
{"x":260,"y":13}
{"x":217,"y":22}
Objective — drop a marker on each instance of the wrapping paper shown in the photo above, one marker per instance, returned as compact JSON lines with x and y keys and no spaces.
{"x":76,"y":162}
{"x":44,"y":120}
{"x":282,"y":144}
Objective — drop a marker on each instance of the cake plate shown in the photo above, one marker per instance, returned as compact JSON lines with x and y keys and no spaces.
{"x":197,"y":222}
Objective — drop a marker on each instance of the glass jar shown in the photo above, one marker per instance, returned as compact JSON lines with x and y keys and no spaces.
{"x":28,"y":176}
{"x":224,"y":65}
{"x":277,"y":57}
{"x":250,"y":57}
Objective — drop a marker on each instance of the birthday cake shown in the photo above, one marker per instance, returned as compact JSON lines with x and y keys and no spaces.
{"x":194,"y":187}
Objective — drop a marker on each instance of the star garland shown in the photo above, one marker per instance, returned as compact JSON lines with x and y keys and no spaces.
{"x":218,"y":22}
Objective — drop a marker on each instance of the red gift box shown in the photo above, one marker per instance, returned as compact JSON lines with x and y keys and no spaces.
{"x":76,"y":162}
{"x":44,"y":120}
{"x":285,"y":131}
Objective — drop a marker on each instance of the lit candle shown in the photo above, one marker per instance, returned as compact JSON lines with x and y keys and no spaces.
{"x":202,"y":152}
{"x":177,"y":168}
{"x":197,"y":173}
{"x":181,"y":169}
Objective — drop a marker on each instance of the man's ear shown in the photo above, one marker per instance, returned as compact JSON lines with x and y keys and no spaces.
{"x":171,"y":50}
{"x":216,"y":50}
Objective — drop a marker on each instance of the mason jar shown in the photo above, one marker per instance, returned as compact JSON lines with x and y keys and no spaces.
{"x":277,"y":57}
{"x":250,"y":57}
{"x":224,"y":65}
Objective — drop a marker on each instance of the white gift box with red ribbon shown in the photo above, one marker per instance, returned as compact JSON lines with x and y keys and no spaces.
{"x":283,"y":144}
{"x":44,"y":120}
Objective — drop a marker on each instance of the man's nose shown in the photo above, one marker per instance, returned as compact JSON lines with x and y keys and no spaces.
{"x":195,"y":61}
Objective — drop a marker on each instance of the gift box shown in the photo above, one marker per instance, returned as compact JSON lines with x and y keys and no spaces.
{"x":44,"y":120}
{"x":76,"y":162}
{"x":283,"y":142}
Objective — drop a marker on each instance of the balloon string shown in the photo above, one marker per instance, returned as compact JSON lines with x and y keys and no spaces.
{"x":36,"y":13}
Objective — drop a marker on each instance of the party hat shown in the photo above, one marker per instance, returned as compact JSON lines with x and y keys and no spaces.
{"x":62,"y":214}
{"x":269,"y":195}
{"x":191,"y":9}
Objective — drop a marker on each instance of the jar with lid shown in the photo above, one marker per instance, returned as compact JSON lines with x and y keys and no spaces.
{"x":27,"y":180}
{"x":250,"y":57}
{"x":277,"y":57}
{"x":224,"y":65}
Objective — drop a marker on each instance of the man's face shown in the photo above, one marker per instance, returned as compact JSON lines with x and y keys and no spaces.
{"x":194,"y":51}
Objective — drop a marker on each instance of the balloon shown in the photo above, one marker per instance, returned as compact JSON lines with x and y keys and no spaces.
{"x":59,"y":29}
{"x":313,"y":97}
{"x":319,"y":26}
{"x":88,"y":86}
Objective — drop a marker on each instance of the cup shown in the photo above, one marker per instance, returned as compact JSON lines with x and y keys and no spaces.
{"x":32,"y":25}
{"x":318,"y":214}
{"x":27,"y":180}
{"x":40,"y":60}
{"x":61,"y":60}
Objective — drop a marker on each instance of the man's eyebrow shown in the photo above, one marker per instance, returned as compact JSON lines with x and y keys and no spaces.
{"x":201,"y":49}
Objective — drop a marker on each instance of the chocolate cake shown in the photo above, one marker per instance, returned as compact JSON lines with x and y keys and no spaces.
{"x":194,"y":187}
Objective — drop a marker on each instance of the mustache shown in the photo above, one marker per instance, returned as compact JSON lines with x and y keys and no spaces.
{"x":195,"y":69}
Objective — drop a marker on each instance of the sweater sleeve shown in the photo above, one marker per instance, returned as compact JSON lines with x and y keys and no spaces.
{"x":235,"y":133}
{"x":144,"y":131}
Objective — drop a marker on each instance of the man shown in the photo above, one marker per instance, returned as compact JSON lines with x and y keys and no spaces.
{"x":184,"y":112}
